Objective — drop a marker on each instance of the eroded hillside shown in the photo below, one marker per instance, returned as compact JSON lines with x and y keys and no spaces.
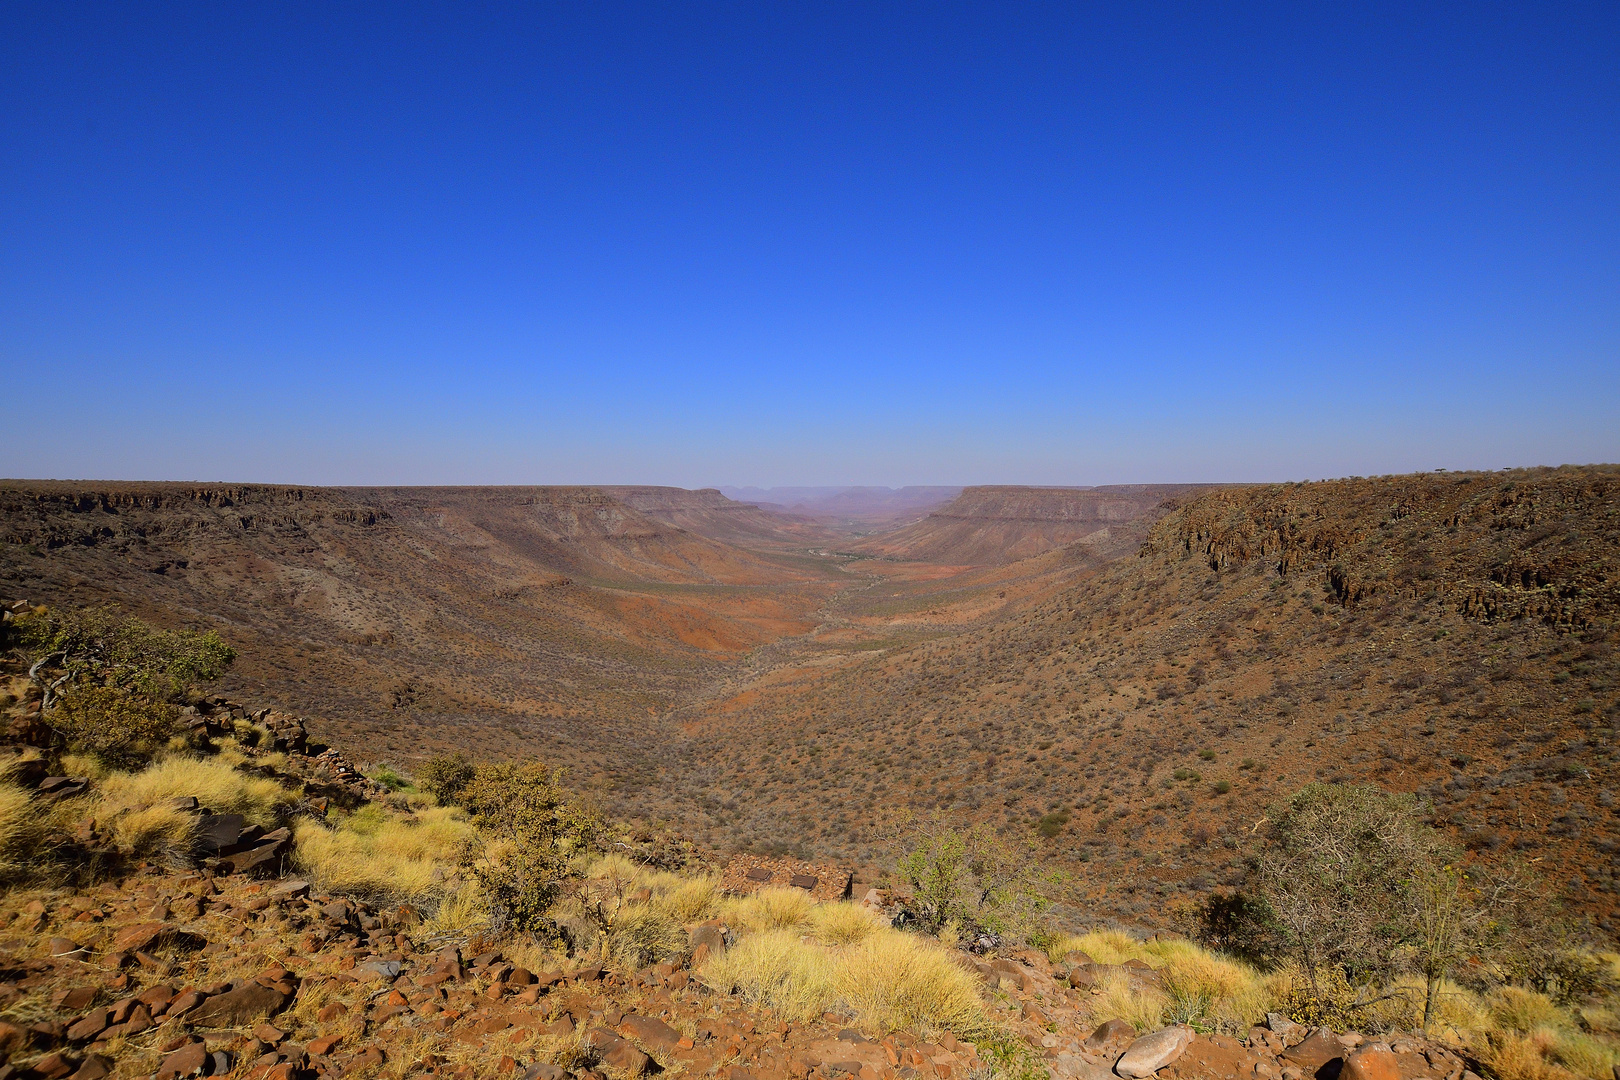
{"x":549,"y":621}
{"x":1444,"y":634}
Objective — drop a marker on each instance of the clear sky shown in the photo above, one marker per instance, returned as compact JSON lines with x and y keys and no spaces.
{"x":764,"y":243}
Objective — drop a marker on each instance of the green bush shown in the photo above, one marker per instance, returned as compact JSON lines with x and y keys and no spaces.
{"x":111,"y":682}
{"x":115,"y":725}
{"x":534,"y":830}
{"x":445,"y":777}
{"x":1052,"y":824}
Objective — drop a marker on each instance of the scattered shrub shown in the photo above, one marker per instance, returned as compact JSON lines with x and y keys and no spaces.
{"x":1052,"y":824}
{"x":445,"y":777}
{"x":112,"y":723}
{"x":535,"y":831}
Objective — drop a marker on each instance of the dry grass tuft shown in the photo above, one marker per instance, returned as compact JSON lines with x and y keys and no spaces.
{"x":888,"y":980}
{"x":1511,"y":1056}
{"x":155,"y":830}
{"x":22,"y":827}
{"x":686,"y":900}
{"x":1200,"y":985}
{"x":377,"y":853}
{"x":894,"y":980}
{"x":643,"y":935}
{"x":841,"y":924}
{"x":777,"y":908}
{"x":462,"y":912}
{"x":775,"y":968}
{"x":1516,"y":1009}
{"x":216,"y":785}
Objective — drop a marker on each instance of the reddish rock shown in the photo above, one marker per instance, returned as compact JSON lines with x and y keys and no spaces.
{"x":139,"y":936}
{"x":1320,"y":1055}
{"x":190,"y":1060}
{"x":1375,"y":1061}
{"x":323,"y":1045}
{"x":93,"y":1067}
{"x":1215,"y":1058}
{"x":155,"y":996}
{"x":1113,"y":1031}
{"x":653,"y":1034}
{"x":183,"y":1003}
{"x":52,"y":1066}
{"x":89,"y":1025}
{"x":618,"y":1053}
{"x":75,"y":998}
{"x":254,"y":1001}
{"x":1153,"y":1052}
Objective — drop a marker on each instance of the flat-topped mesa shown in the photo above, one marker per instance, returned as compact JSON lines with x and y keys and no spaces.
{"x":1090,"y":505}
{"x":993,"y":525}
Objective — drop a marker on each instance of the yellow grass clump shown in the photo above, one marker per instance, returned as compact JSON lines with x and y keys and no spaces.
{"x":841,"y":924}
{"x":376,"y":853}
{"x":217,"y":786}
{"x":1198,"y":984}
{"x":1511,"y":1056}
{"x":21,"y":828}
{"x":894,"y":980}
{"x":888,"y":980}
{"x":462,"y":912}
{"x":1142,"y":1008}
{"x":776,"y":969}
{"x":777,"y":908}
{"x":1518,"y":1009}
{"x":686,"y":900}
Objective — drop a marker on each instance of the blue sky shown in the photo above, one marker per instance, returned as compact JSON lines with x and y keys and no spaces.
{"x":807,"y":244}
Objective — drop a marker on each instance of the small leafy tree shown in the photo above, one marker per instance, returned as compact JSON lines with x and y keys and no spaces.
{"x":110,"y":682}
{"x":1335,"y":860}
{"x":972,"y":877}
{"x":446,"y":776}
{"x":535,"y":828}
{"x":1358,"y":882}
